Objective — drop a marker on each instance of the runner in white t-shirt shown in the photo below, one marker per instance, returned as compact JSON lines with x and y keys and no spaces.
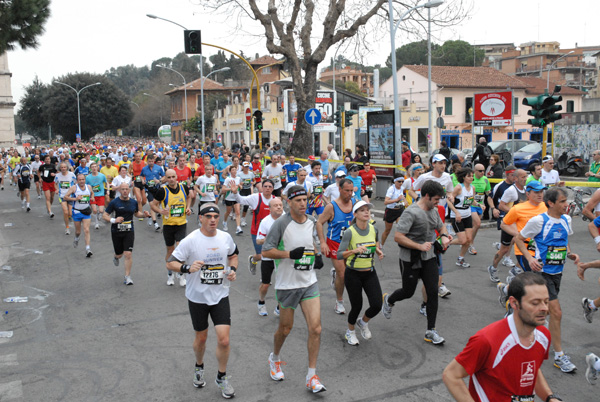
{"x":550,"y":176}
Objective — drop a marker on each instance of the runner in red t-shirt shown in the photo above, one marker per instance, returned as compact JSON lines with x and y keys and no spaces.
{"x":369,"y":177}
{"x":504,"y":359}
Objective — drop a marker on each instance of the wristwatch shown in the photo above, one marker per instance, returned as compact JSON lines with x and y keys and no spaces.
{"x":553,"y":396}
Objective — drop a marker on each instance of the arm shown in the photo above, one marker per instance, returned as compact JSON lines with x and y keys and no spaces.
{"x":533,"y":263}
{"x":405,"y":242}
{"x":542,"y":389}
{"x":451,"y":204}
{"x":588,"y":210}
{"x":453,"y":378}
{"x":326,"y":216}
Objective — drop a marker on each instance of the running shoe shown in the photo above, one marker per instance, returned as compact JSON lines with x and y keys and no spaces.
{"x":509,"y":309}
{"x":588,"y":312}
{"x":493,"y":274}
{"x":239,"y":231}
{"x":226,"y":389}
{"x":39,"y":197}
{"x":252,"y":265}
{"x":276,"y":373}
{"x":591,"y":374}
{"x":332,"y":272}
{"x":502,"y":293}
{"x":339,"y":307}
{"x":182,"y":280}
{"x":225,"y":226}
{"x":314,"y":384}
{"x":149,"y":221}
{"x":496,"y":244}
{"x":472,"y":250}
{"x":116,"y":261}
{"x":67,"y":231}
{"x":462,"y":263}
{"x":128,"y":281}
{"x":244,"y":224}
{"x":507,"y":262}
{"x":51,"y":215}
{"x":365,"y":332}
{"x":276,"y":311}
{"x":351,"y":337}
{"x":563,"y":362}
{"x":88,"y":253}
{"x":423,"y":310}
{"x":262,"y":310}
{"x":443,"y":291}
{"x":97,"y":226}
{"x":28,"y":209}
{"x":170,"y":280}
{"x":156,"y":227}
{"x":76,"y":242}
{"x":199,"y":377}
{"x":432,"y":336}
{"x":386,"y":308}
{"x":22,"y":203}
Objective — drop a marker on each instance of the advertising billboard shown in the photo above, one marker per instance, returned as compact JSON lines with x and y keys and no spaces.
{"x":324,"y":102}
{"x":493,"y":109}
{"x":380,"y":137}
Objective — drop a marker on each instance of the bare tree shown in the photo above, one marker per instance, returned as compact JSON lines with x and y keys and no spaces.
{"x":291,"y":29}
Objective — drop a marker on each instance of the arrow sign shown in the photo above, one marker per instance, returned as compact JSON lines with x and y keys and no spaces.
{"x":312,"y":116}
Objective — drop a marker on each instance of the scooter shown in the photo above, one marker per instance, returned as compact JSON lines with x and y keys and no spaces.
{"x":569,"y":165}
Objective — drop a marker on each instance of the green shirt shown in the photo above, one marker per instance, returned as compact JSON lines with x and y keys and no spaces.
{"x":594,"y":167}
{"x":531,"y":178}
{"x":454,"y":179}
{"x":481,"y":186}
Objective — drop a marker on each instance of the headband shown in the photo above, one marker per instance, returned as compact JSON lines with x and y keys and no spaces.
{"x":417,"y":167}
{"x":296,"y":193}
{"x":209,"y":208}
{"x":398,"y":179}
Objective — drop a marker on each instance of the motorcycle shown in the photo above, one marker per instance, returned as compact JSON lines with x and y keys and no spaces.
{"x":569,"y":165}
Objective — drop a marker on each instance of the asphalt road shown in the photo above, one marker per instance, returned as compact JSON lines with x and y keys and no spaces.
{"x":84,"y":336}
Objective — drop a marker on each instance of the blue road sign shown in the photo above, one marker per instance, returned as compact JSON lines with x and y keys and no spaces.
{"x":312,"y":116}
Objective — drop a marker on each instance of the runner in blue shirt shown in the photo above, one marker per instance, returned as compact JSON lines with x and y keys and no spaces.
{"x":291,"y":169}
{"x":96,"y":181}
{"x":152,"y":177}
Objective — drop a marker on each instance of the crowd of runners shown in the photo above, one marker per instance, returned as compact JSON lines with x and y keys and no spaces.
{"x":303,"y":212}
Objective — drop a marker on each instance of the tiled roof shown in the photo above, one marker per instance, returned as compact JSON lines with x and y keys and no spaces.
{"x":263,"y":60}
{"x":537,"y":86}
{"x":468,"y":77}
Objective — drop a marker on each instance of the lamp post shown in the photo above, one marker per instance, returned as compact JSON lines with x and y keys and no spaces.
{"x":184,"y":89}
{"x":161,"y":107}
{"x":78,"y":92}
{"x":550,"y":69}
{"x":202,"y":95}
{"x":393,"y":28}
{"x":139,"y":125}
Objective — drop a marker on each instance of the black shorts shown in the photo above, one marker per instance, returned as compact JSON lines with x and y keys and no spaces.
{"x":505,"y":238}
{"x":36,"y":178}
{"x":465,"y":223}
{"x":230,"y":203}
{"x":553,"y":284}
{"x":112,"y":194}
{"x":123,"y":241}
{"x":245,"y":191}
{"x":266,"y":271}
{"x":174,"y":233}
{"x":369,"y":194}
{"x":277,"y":193}
{"x":24,"y":186}
{"x":149,"y":196}
{"x":138,"y":184}
{"x":392,"y":214}
{"x":220,"y":314}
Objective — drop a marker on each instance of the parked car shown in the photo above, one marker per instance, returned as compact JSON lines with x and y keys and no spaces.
{"x":503,"y":149}
{"x":528,"y":155}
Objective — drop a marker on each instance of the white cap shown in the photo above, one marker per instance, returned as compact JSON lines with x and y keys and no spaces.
{"x":438,"y":158}
{"x":340,"y":173}
{"x":360,"y":204}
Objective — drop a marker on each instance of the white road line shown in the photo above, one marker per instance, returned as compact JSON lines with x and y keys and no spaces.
{"x":8,"y":360}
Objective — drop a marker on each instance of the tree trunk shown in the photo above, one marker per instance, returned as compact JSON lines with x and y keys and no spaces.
{"x":303,"y":143}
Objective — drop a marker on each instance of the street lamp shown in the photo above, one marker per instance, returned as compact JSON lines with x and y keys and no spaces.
{"x":393,"y":28}
{"x":550,"y":69}
{"x":78,"y":92}
{"x":184,"y":88}
{"x":139,"y":125}
{"x":202,"y":95}
{"x":161,"y":107}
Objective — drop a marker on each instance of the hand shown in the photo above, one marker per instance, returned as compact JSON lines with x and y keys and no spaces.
{"x":360,"y":250}
{"x":574,"y":258}
{"x":297,"y":253}
{"x":482,"y":207}
{"x":458,"y":218}
{"x":324,"y":248}
{"x":188,"y":211}
{"x":146,"y":214}
{"x":425,"y":246}
{"x":496,"y":213}
{"x":588,"y":174}
{"x":580,"y":271}
{"x":196,"y":266}
{"x":379,"y":252}
{"x":120,"y":219}
{"x":319,"y":261}
{"x":534,"y":264}
{"x":231,"y":276}
{"x":446,"y":241}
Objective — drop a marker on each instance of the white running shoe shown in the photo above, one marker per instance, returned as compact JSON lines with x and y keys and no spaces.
{"x":432,"y":336}
{"x":365,"y":332}
{"x":443,"y":291}
{"x":156,"y":227}
{"x":351,"y":337}
{"x":67,"y":231}
{"x":244,"y":224}
{"x":182,"y":280}
{"x":462,"y":263}
{"x":225,"y":225}
{"x":276,"y":373}
{"x":339,"y":307}
{"x":128,"y":281}
{"x":170,"y":280}
{"x":262,"y":310}
{"x":97,"y":226}
{"x":239,"y":231}
{"x":507,"y":262}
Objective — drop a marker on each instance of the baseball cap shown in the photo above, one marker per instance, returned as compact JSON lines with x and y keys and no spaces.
{"x":245,"y":163}
{"x":360,"y":204}
{"x":535,"y":186}
{"x":340,"y":173}
{"x":439,"y":158}
{"x":547,"y":158}
{"x":311,"y":157}
{"x":354,"y":166}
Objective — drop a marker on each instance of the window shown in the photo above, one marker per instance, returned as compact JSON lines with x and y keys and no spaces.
{"x":448,"y":106}
{"x":468,"y":105}
{"x":266,"y":70}
{"x":570,"y":106}
{"x":422,"y":139}
{"x":515,"y":106}
{"x":517,"y":136}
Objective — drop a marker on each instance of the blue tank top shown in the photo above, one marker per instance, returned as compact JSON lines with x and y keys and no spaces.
{"x":551,"y":244}
{"x":340,"y":222}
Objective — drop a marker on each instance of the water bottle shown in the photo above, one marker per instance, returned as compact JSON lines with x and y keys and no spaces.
{"x":16,"y":299}
{"x":226,"y":282}
{"x":451,"y":231}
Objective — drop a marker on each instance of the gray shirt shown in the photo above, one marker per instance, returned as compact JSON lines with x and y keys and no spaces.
{"x":419,"y":225}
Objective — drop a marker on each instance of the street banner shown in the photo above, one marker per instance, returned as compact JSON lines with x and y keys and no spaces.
{"x":493,"y":109}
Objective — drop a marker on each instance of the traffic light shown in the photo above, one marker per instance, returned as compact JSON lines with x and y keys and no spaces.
{"x":551,"y":107}
{"x":337,"y":117}
{"x":348,"y":117}
{"x":544,"y":108}
{"x":248,"y":125}
{"x":199,"y":123}
{"x":258,"y":120}
{"x":192,"y":42}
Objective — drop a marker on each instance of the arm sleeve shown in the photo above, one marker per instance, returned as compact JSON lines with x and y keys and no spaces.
{"x":474,"y":355}
{"x":110,"y":208}
{"x":232,"y":246}
{"x":405,"y":222}
{"x":533,"y":227}
{"x":275,"y":235}
{"x":181,"y":251}
{"x":509,"y":195}
{"x":344,"y":244}
{"x":160,"y":194}
{"x":511,"y":217}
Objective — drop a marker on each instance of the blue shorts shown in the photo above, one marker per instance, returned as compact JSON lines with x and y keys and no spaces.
{"x":257,"y":247}
{"x":478,"y":210}
{"x":597,"y":222}
{"x":78,"y":216}
{"x":523,"y":263}
{"x":310,"y":210}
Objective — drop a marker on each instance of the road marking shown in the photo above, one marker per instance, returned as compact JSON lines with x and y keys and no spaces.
{"x":8,"y":360}
{"x":11,"y":390}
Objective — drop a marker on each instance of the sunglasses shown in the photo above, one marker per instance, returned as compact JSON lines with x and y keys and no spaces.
{"x":480,"y":170}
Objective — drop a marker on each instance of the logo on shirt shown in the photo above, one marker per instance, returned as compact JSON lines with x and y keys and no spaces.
{"x":527,"y":373}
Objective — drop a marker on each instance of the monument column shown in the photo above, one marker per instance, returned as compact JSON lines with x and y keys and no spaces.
{"x":7,"y":106}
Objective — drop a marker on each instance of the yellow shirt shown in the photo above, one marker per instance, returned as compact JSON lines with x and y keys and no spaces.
{"x":110,"y":174}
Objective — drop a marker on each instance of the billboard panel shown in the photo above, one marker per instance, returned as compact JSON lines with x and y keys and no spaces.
{"x":493,"y":109}
{"x":380,"y":137}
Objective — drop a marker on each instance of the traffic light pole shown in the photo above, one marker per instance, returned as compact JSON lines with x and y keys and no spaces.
{"x":544,"y":140}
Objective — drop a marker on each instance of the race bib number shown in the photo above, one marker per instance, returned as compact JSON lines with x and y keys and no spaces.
{"x":371,"y":247}
{"x":85,"y":199}
{"x":292,"y":174}
{"x":96,"y":188}
{"x":467,"y":202}
{"x":306,"y":262}
{"x":46,"y":173}
{"x":212,"y":274}
{"x":210,"y":188}
{"x":318,"y":190}
{"x":531,"y":245}
{"x":556,"y":255}
{"x":282,"y":177}
{"x":125,"y":226}
{"x":177,"y":211}
{"x":247,"y":183}
{"x":151,"y":183}
{"x":65,"y":185}
{"x":522,"y":398}
{"x":25,"y":173}
{"x":138,"y":179}
{"x":479,"y":198}
{"x":369,"y":188}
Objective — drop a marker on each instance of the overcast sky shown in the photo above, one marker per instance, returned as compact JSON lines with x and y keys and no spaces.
{"x":92,"y":36}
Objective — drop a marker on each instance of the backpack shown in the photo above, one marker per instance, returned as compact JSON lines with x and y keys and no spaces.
{"x":487,"y":151}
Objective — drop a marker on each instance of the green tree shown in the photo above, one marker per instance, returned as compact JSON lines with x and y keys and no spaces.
{"x":130,"y":79}
{"x":22,"y":22}
{"x":457,"y":53}
{"x":32,"y":110}
{"x":412,"y":53}
{"x":103,"y":107}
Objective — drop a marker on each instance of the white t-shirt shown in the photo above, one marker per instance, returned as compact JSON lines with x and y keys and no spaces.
{"x":64,"y":182}
{"x":393,"y":193}
{"x":511,"y":195}
{"x":535,"y":225}
{"x":332,"y":192}
{"x":275,"y":172}
{"x":206,"y":285}
{"x":35,"y":167}
{"x":229,"y":196}
{"x":307,"y":186}
{"x":445,"y":180}
{"x":116,"y":183}
{"x":207,"y":185}
{"x":263,"y":230}
{"x":549,"y":178}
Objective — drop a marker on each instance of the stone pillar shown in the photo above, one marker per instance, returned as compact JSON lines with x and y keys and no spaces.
{"x":7,"y":114}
